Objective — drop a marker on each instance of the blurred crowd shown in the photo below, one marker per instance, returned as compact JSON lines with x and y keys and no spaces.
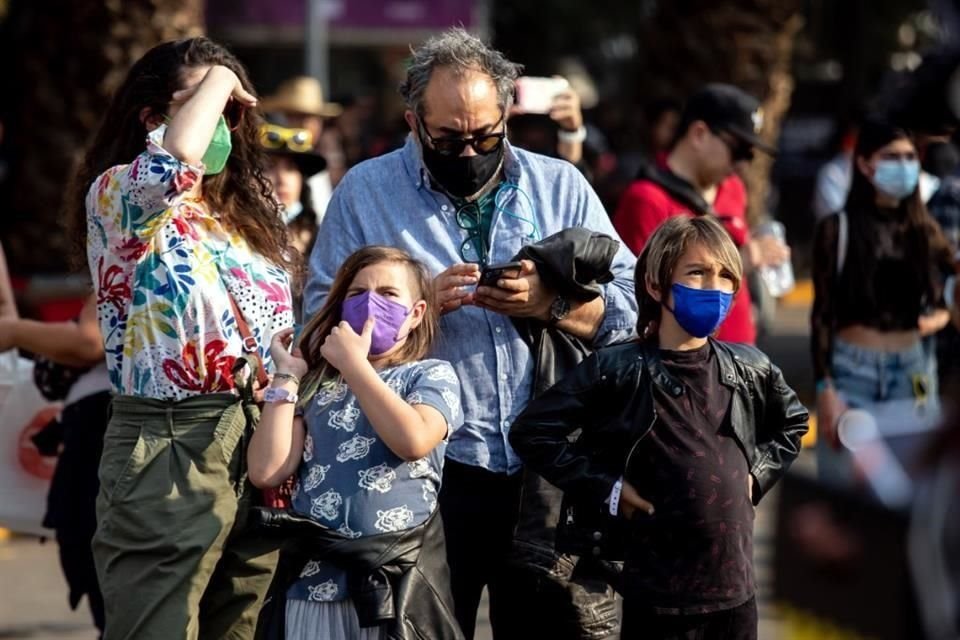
{"x":544,"y":238}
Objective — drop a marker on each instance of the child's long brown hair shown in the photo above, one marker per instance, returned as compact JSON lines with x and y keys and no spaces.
{"x":319,"y":327}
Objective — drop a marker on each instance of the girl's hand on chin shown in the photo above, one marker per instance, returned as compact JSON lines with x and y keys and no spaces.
{"x":347,"y":350}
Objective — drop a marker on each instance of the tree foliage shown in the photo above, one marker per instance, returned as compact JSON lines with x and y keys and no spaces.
{"x":70,"y":56}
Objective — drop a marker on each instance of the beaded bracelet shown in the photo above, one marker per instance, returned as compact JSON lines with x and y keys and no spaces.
{"x":286,"y":376}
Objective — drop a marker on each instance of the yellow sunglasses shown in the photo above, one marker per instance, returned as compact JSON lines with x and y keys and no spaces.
{"x":275,"y":137}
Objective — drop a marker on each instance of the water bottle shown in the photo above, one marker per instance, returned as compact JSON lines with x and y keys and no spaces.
{"x":777,"y":278}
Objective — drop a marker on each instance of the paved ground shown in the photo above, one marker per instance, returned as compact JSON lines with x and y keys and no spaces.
{"x":33,"y":597}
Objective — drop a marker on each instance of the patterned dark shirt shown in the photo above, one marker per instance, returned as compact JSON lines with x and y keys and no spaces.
{"x":352,"y":482}
{"x":695,"y":554}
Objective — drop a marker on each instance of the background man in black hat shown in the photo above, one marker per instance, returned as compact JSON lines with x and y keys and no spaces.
{"x":718,"y":129}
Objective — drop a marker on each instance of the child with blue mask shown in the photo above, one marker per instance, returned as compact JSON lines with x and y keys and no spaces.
{"x":680,"y":436}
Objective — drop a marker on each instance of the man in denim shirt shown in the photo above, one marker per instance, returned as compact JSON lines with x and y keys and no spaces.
{"x":458,"y":197}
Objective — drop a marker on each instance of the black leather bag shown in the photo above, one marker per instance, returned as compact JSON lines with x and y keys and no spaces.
{"x":54,"y":380}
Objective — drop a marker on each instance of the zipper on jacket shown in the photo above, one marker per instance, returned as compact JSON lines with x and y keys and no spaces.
{"x":634,"y":447}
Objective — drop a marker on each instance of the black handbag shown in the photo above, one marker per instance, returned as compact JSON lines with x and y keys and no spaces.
{"x":55,"y":380}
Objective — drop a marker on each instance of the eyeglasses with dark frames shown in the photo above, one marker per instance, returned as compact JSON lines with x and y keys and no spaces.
{"x":453,"y":145}
{"x":739,"y":150}
{"x":474,"y":247}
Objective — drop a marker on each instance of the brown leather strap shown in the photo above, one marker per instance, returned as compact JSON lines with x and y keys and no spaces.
{"x":249,"y":342}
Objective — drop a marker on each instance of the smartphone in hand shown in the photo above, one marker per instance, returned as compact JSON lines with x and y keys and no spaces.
{"x":491,"y":274}
{"x":536,"y":94}
{"x":295,"y":339}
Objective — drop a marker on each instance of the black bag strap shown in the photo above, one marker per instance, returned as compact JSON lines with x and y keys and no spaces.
{"x":678,"y":188}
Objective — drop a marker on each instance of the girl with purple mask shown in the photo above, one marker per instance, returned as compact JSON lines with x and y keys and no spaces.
{"x":362,"y":419}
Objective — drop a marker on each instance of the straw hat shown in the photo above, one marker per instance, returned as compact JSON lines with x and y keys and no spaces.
{"x":301,"y":94}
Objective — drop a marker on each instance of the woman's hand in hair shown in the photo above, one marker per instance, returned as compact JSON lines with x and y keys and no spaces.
{"x":829,"y":409}
{"x":283,"y":359}
{"x":238,"y":93}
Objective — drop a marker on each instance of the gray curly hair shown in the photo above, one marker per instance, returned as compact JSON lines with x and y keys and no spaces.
{"x":460,"y":51}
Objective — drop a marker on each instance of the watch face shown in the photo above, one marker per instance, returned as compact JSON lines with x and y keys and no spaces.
{"x":560,"y":308}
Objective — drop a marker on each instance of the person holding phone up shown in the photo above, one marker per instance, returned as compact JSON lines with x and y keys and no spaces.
{"x":548,"y":117}
{"x":461,"y":197}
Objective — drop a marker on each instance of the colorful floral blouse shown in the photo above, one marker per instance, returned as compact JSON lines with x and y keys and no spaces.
{"x":162,"y":266}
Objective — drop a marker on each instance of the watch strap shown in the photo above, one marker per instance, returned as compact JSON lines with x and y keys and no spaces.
{"x":559,"y":309}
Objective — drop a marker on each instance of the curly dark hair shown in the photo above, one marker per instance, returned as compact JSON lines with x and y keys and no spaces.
{"x":240,"y":193}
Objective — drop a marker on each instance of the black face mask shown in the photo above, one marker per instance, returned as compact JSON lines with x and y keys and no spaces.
{"x":461,"y":176}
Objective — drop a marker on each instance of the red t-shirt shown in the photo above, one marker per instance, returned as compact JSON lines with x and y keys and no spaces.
{"x":645,"y":205}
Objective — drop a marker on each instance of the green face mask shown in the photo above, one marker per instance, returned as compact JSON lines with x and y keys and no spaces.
{"x":215,"y":159}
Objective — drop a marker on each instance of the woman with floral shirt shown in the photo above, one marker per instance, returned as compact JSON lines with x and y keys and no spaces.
{"x":188,"y":255}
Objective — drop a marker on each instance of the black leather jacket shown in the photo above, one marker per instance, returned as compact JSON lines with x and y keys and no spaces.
{"x":573,"y":263}
{"x":399,"y":578}
{"x":609,"y":398}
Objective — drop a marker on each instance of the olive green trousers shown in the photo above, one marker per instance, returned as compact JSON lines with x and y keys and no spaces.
{"x":173,"y":554}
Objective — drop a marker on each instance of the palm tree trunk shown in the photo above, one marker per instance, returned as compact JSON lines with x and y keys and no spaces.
{"x":70,"y":57}
{"x":687,"y":43}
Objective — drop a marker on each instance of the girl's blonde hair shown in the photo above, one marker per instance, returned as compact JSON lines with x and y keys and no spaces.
{"x":318,"y":328}
{"x":662,"y":254}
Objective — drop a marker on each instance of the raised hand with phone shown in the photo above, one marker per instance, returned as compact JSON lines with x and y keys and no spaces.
{"x":555,"y":98}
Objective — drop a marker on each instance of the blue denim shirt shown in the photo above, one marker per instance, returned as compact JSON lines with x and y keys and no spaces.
{"x":389,"y":200}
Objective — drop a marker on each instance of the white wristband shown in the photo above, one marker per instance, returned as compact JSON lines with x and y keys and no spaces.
{"x":572,"y":137}
{"x":279,"y":395}
{"x":615,"y":497}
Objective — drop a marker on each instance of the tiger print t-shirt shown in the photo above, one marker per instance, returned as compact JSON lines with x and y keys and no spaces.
{"x":352,"y":482}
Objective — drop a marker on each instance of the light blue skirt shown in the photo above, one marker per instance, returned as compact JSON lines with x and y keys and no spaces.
{"x":329,"y":620}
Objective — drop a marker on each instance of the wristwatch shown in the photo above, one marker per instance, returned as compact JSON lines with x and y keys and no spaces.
{"x":559,"y":309}
{"x":279,"y":395}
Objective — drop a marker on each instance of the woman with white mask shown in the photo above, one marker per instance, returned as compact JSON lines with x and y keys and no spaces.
{"x":879,"y":271}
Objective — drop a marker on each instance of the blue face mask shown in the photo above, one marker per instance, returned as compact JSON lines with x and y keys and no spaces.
{"x":896,"y":178}
{"x":699,"y":311}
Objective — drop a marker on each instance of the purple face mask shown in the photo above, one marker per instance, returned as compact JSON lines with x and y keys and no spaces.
{"x":389,"y":317}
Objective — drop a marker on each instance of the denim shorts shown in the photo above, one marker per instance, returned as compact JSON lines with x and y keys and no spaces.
{"x":875,"y":381}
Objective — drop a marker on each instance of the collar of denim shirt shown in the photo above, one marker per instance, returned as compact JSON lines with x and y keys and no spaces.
{"x":413,"y":163}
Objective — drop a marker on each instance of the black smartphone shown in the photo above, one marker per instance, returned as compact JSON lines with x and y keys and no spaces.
{"x":492,"y":273}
